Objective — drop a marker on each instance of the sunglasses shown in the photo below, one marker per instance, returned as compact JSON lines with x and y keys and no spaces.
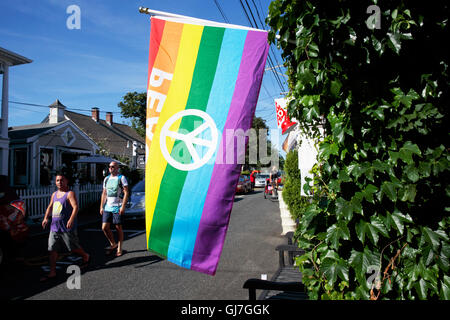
{"x":112,"y":167}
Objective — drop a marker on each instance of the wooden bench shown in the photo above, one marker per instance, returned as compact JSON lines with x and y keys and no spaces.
{"x":286,"y":283}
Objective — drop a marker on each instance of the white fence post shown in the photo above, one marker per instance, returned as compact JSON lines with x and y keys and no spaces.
{"x":37,"y":199}
{"x":76,"y":190}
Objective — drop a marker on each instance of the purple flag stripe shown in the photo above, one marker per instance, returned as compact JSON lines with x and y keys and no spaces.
{"x":219,"y":200}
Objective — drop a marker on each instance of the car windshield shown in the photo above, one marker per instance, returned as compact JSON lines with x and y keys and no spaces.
{"x":139,"y":187}
{"x":262,"y":176}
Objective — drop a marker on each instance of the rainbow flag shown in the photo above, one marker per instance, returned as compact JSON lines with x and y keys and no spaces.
{"x":204,"y":80}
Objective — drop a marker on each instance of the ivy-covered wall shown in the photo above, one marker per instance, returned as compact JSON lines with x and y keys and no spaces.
{"x":378,"y":227}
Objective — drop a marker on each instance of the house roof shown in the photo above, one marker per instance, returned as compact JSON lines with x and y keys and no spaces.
{"x":22,"y":133}
{"x":29,"y":133}
{"x":13,"y":58}
{"x":116,"y":138}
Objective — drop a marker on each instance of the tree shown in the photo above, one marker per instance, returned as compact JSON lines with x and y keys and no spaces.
{"x":134,"y":106}
{"x":378,"y":227}
{"x":259,"y":124}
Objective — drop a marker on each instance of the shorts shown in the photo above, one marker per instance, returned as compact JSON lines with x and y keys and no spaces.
{"x":111,"y":217}
{"x":56,"y":240}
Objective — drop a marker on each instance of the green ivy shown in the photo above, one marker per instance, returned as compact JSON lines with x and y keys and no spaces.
{"x":377,"y":226}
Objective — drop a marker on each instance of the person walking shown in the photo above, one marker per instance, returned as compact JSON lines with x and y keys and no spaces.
{"x":112,"y":206}
{"x":274,"y":181}
{"x":63,"y":208}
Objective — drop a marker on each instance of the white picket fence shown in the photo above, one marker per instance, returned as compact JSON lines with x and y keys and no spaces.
{"x":37,"y":199}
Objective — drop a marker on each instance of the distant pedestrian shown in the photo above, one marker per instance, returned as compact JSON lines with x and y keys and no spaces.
{"x":274,"y":180}
{"x":252,"y":179}
{"x":112,"y":206}
{"x":63,"y":209}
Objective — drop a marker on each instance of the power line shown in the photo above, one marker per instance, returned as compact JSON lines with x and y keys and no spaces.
{"x":69,"y":109}
{"x":263,"y":27}
{"x":254,"y":24}
{"x":221,"y":11}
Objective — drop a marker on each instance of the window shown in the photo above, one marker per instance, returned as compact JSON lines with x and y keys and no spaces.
{"x":20,"y":166}
{"x":68,"y":137}
{"x":46,"y":166}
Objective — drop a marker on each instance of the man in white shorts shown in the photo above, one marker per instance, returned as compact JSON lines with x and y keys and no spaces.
{"x":112,"y":206}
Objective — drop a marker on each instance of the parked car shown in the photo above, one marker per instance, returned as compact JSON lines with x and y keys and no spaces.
{"x":260,"y":180}
{"x":136,"y":204}
{"x":13,"y":226}
{"x":244,"y":185}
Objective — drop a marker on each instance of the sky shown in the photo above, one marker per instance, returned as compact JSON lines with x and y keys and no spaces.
{"x":97,"y":64}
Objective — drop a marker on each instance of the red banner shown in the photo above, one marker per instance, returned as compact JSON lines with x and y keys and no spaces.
{"x":283,"y":120}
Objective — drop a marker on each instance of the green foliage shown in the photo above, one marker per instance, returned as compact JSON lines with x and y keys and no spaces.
{"x":292,"y":186}
{"x":381,"y":195}
{"x":134,"y":106}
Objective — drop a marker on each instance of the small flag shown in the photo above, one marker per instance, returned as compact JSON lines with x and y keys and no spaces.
{"x":203,"y":80}
{"x":283,"y":120}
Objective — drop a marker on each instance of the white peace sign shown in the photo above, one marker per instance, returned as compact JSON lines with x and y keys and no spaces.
{"x":190,"y":139}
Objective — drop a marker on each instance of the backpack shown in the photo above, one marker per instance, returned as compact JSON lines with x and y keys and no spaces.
{"x":115,"y":193}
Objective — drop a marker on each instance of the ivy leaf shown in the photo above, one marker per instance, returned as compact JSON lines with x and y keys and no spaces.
{"x":364,"y":262}
{"x":388,"y":189}
{"x":311,"y":113}
{"x":431,"y":238}
{"x":332,"y":269}
{"x":344,"y":208}
{"x":397,"y":219}
{"x":445,"y":290}
{"x":412,"y":147}
{"x":412,"y":173}
{"x":394,"y":42}
{"x":327,"y":149}
{"x":408,"y":193}
{"x":369,"y":191}
{"x":361,"y":231}
{"x":421,"y":289}
{"x":335,"y":233}
{"x":335,"y":88}
{"x":371,"y":230}
{"x":378,"y":224}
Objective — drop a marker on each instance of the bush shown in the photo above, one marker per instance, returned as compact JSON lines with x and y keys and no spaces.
{"x":292,"y":186}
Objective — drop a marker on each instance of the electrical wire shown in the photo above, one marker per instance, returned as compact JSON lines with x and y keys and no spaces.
{"x":221,"y":11}
{"x":254,"y":24}
{"x":68,"y":108}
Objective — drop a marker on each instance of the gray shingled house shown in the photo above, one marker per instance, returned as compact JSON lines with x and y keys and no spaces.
{"x":36,"y":151}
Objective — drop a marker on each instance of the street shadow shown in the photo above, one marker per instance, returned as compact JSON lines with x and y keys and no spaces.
{"x":138,"y":262}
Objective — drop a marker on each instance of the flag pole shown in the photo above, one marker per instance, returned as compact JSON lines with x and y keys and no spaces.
{"x":174,"y":16}
{"x":165,"y":14}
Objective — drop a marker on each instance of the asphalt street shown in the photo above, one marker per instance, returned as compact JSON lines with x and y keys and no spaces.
{"x":249,"y":252}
